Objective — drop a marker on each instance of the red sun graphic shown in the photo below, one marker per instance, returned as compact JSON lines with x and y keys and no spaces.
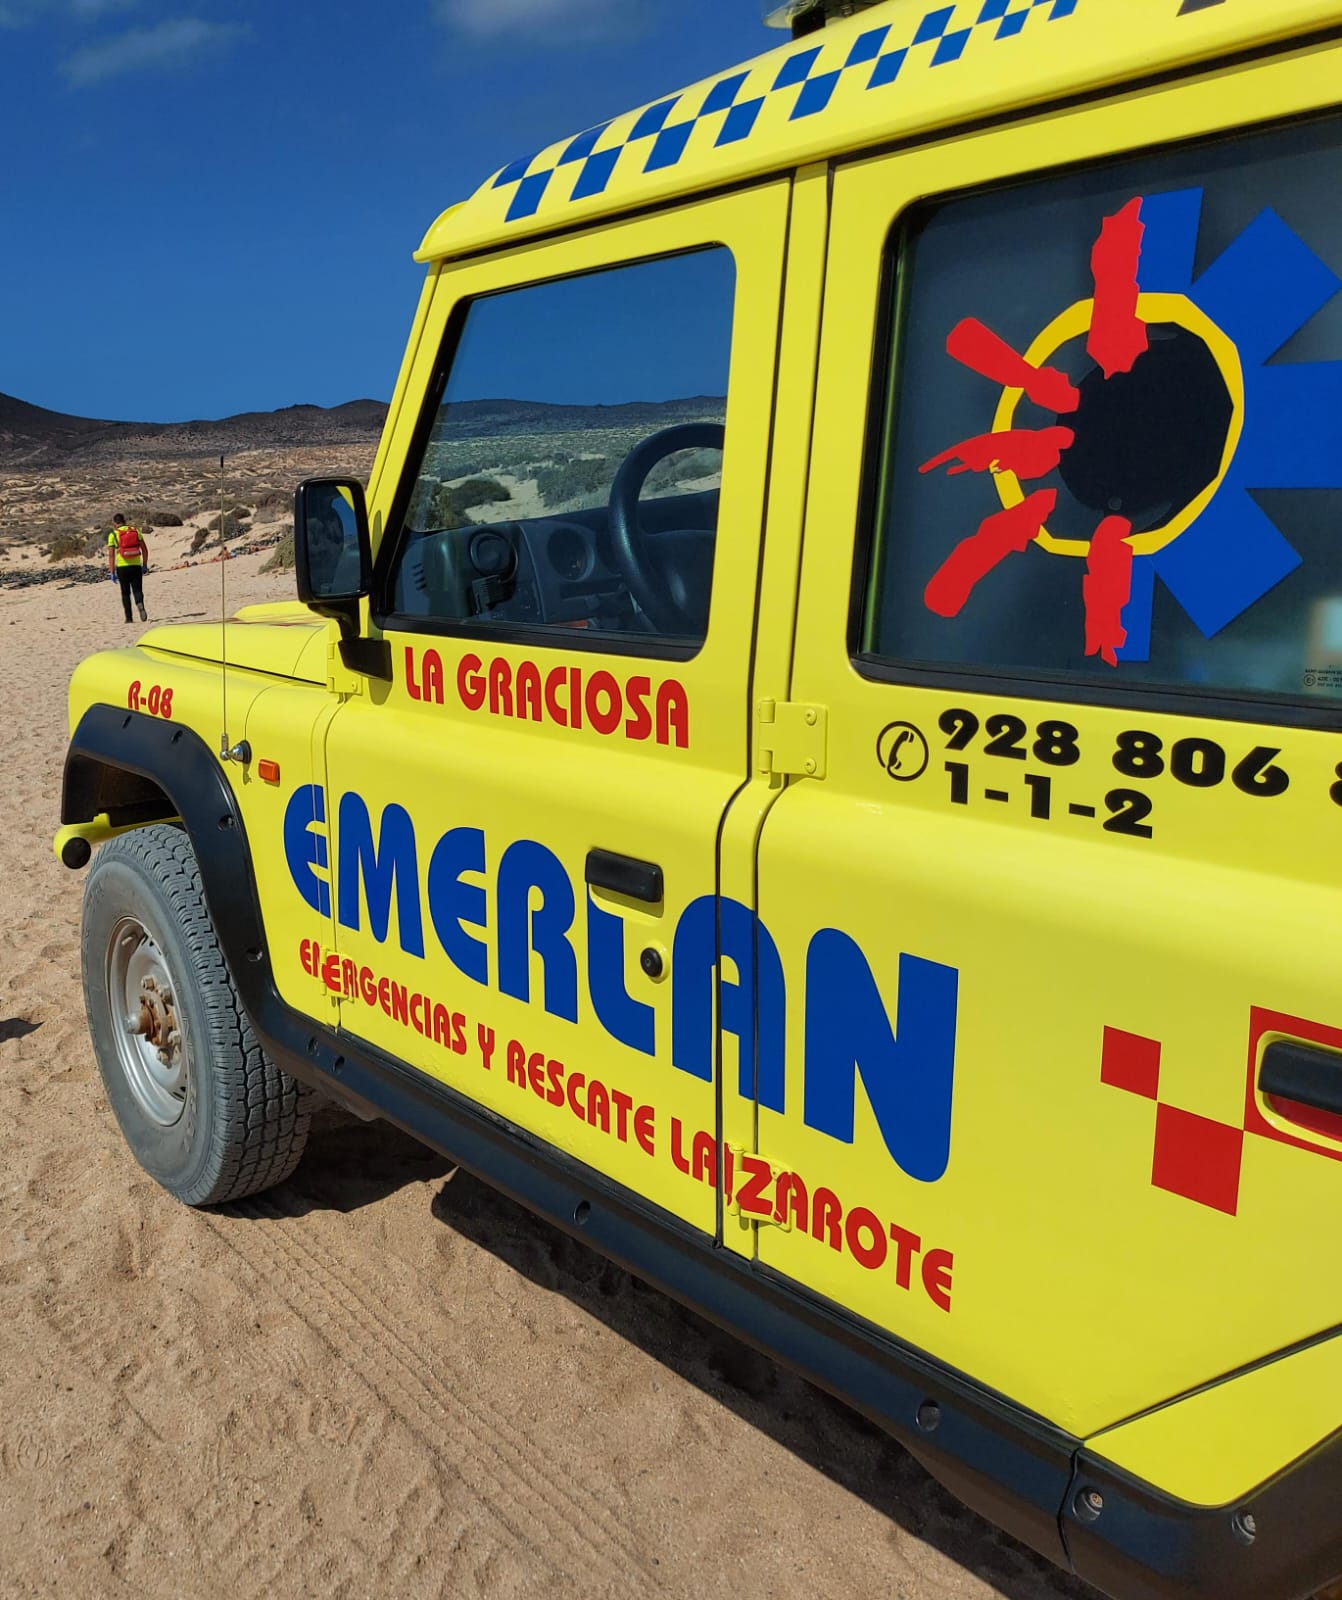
{"x":1117,"y":336}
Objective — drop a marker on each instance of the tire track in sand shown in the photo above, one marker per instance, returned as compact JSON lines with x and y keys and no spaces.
{"x":505,"y":1470}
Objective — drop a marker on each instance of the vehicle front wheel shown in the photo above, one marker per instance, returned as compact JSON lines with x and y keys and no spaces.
{"x":205,"y":1110}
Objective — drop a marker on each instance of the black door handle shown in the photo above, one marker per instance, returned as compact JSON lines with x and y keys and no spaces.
{"x":640,"y":880}
{"x":1303,"y":1073}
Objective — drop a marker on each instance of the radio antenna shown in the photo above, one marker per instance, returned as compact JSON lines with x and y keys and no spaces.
{"x":241,"y":752}
{"x":224,"y":749}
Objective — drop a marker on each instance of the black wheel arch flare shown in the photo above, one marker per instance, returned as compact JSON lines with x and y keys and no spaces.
{"x":1011,"y":1465}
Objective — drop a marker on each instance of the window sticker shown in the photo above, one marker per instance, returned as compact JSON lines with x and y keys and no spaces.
{"x":1181,"y":416}
{"x":1112,"y":443}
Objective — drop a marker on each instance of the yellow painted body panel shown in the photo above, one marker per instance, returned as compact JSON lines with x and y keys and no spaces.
{"x":786,"y":511}
{"x":569,"y":789}
{"x":259,"y":643}
{"x":893,"y":78}
{"x":1079,"y":1286}
{"x":285,"y":723}
{"x":283,"y":719}
{"x":401,"y":417}
{"x":1200,"y":1448}
{"x":172,"y":686}
{"x":420,"y":859}
{"x":287,"y":611}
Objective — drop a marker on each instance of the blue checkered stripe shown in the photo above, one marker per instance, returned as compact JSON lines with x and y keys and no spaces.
{"x":668,"y":130}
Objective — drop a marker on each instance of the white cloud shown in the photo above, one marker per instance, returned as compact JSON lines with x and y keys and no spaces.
{"x":100,"y":8}
{"x":164,"y":47}
{"x":24,"y":13}
{"x":518,"y":20}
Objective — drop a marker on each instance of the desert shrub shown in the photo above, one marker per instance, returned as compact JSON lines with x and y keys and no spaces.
{"x":474,"y":492}
{"x":567,"y":481}
{"x":164,"y":519}
{"x":273,"y":500}
{"x":685,"y":466}
{"x":65,"y":545}
{"x":441,"y":505}
{"x":234,"y":523}
{"x":210,"y":508}
{"x":281,"y":558}
{"x":446,"y":460}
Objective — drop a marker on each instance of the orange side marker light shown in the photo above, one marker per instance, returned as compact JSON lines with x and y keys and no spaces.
{"x":268,"y":771}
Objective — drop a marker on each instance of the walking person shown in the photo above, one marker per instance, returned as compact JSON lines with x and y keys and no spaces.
{"x":127,"y":558}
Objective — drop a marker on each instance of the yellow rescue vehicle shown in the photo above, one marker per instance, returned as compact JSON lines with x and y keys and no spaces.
{"x":815,"y":765}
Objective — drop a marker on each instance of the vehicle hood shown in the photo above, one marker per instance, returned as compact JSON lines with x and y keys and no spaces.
{"x":283,"y":639}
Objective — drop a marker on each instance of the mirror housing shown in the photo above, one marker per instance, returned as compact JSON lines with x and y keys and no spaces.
{"x":333,"y":565}
{"x":333,"y":554}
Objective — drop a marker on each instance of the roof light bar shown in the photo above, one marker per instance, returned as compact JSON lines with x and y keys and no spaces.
{"x":805,"y":16}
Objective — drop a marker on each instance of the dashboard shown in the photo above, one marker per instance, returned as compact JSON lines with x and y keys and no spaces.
{"x":557,"y":570}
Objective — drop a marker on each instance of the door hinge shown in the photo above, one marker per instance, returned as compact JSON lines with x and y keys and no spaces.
{"x":323,"y":966}
{"x":792,"y":738}
{"x":339,"y":678}
{"x":758,"y":1190}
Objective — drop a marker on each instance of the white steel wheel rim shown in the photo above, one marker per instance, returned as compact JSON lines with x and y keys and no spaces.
{"x":151,"y":1048}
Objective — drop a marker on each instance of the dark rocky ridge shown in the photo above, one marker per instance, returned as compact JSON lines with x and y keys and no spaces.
{"x":496,"y":419}
{"x":31,"y":437}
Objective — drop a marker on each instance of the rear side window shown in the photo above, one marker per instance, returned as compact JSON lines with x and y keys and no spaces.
{"x":1112,"y":445}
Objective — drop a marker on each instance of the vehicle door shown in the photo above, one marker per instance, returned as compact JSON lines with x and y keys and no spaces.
{"x":1062,"y":1078}
{"x":525,"y":819}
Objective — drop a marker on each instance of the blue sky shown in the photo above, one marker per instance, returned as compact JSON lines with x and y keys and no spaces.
{"x":211,"y":207}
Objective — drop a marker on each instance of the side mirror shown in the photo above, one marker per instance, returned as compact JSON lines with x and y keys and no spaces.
{"x":333,"y":562}
{"x":333,"y":558}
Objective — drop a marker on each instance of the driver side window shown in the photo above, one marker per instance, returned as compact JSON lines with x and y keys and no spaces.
{"x":570,"y":471}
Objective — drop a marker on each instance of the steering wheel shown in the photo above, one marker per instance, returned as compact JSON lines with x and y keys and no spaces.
{"x":661,"y":599}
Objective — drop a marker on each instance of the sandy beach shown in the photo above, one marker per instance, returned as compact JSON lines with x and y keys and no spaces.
{"x":379,"y":1378}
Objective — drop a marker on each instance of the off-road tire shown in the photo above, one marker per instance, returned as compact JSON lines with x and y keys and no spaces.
{"x":241,"y":1123}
